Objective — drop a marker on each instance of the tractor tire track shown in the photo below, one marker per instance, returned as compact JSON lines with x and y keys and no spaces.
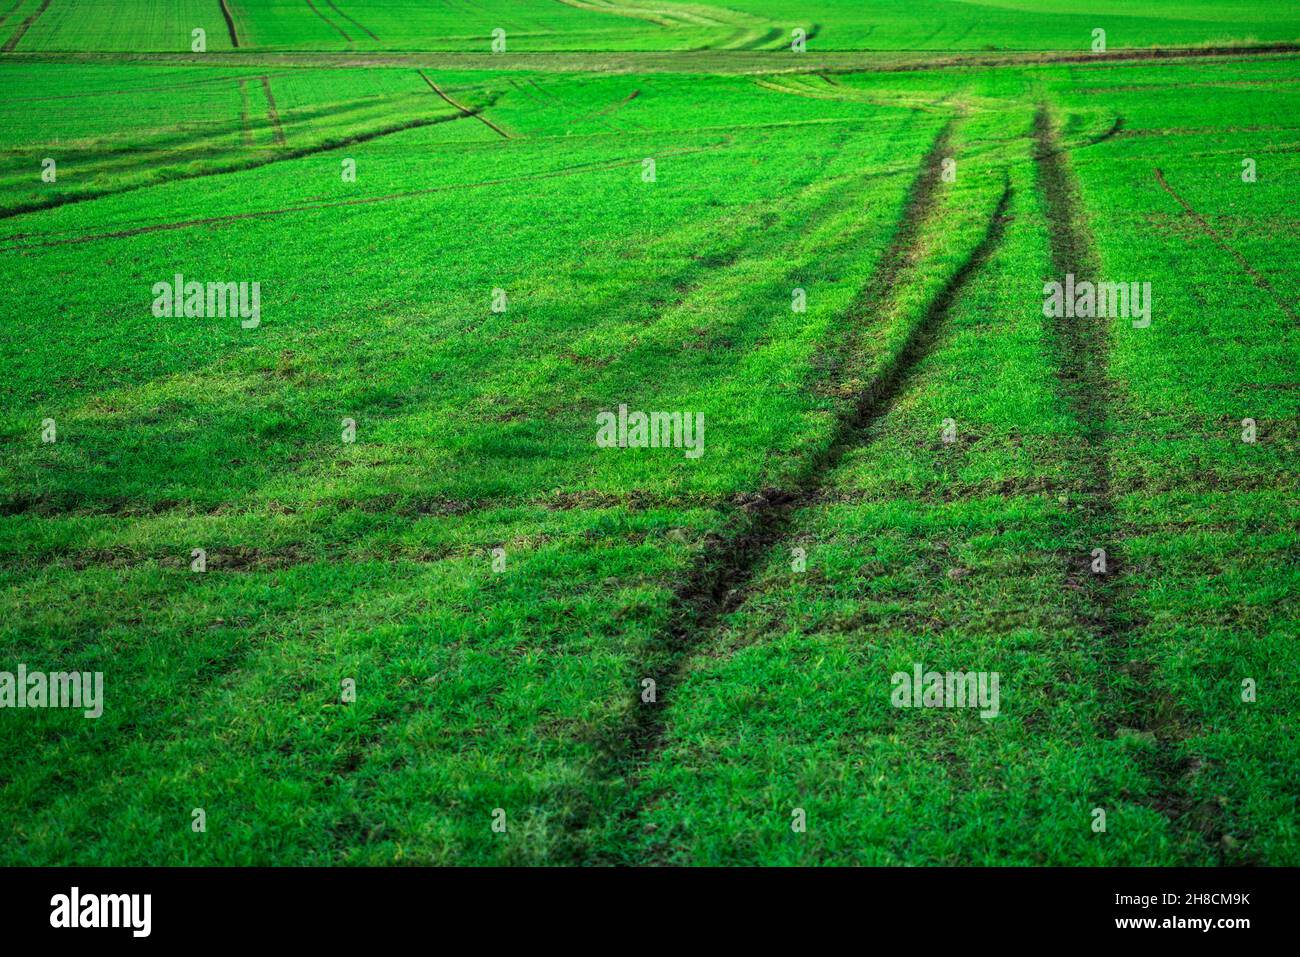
{"x":933,"y":33}
{"x":746,"y":30}
{"x":24,"y":27}
{"x":657,"y":17}
{"x":547,"y":98}
{"x":230,"y":24}
{"x":341,"y":31}
{"x":605,"y":111}
{"x":364,"y":29}
{"x":465,"y":110}
{"x":272,"y":113}
{"x":8,"y":13}
{"x":133,"y":159}
{"x":751,"y":235}
{"x":246,"y":131}
{"x":771,"y":36}
{"x":840,"y":93}
{"x":1105,"y":602}
{"x":16,"y":241}
{"x":309,"y":207}
{"x":702,"y":612}
{"x":725,"y":572}
{"x":1223,"y":244}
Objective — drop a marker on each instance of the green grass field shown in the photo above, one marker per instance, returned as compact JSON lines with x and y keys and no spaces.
{"x":435,"y":620}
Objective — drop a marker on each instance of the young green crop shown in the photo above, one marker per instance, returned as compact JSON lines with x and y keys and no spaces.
{"x":394,"y":478}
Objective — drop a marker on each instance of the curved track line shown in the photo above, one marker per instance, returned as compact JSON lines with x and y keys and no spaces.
{"x":619,"y":105}
{"x":363,"y":201}
{"x":724,"y":573}
{"x":747,"y":30}
{"x":464,"y":110}
{"x":795,"y":86}
{"x":658,"y":18}
{"x":279,"y":157}
{"x":776,"y":513}
{"x":771,"y":36}
{"x":1222,"y":243}
{"x":352,"y":20}
{"x":341,"y":31}
{"x":230,"y":24}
